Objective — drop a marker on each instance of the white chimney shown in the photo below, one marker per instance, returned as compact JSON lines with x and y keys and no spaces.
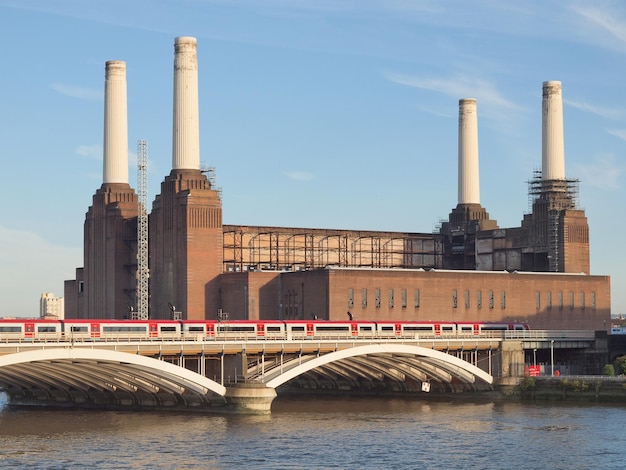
{"x":552,"y":151}
{"x":115,"y":165}
{"x":469,"y":186}
{"x":186,"y":133}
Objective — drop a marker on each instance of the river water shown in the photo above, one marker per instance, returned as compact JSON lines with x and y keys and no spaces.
{"x":361,"y":433}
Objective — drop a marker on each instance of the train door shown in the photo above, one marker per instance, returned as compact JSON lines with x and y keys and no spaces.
{"x":153,"y":330}
{"x":94,"y":330}
{"x":398,"y":329}
{"x":260,"y":329}
{"x":476,"y":329}
{"x":437,"y":328}
{"x":29,"y":330}
{"x":354,"y":329}
{"x":210,"y":329}
{"x":310,"y":329}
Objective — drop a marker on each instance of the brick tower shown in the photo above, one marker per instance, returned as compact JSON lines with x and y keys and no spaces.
{"x":108,"y":289}
{"x":186,"y":237}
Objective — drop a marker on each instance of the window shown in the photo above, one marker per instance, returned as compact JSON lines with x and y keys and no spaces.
{"x":582,"y":301}
{"x":549,"y":300}
{"x":364,"y":298}
{"x":593,"y":300}
{"x":560,"y":300}
{"x":467,"y":299}
{"x":391,"y":298}
{"x":377,"y":297}
{"x":417,"y":298}
{"x":538,"y":300}
{"x":479,"y":299}
{"x":491,"y":299}
{"x":455,"y":299}
{"x":503,"y":299}
{"x":350,"y":297}
{"x":404,"y":298}
{"x":571,"y":300}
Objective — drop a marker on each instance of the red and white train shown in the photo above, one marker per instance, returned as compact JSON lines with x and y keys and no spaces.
{"x":82,"y":330}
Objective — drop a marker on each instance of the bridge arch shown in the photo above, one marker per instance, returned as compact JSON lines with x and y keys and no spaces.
{"x":415,"y":361}
{"x":95,"y":373}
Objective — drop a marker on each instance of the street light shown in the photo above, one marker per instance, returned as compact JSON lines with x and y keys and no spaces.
{"x":535,"y":357}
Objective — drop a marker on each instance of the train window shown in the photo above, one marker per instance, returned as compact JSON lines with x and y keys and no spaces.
{"x":297,"y":328}
{"x":466,"y":328}
{"x":418,"y":328}
{"x":79,"y":329}
{"x":195,"y":329}
{"x":239,"y":328}
{"x":46,"y":329}
{"x":494,"y":327}
{"x":167,"y":328}
{"x":386,"y":328}
{"x":273,"y":328}
{"x":447,"y":328}
{"x":333,"y":328}
{"x":125,"y":329}
{"x":10,"y":329}
{"x":365,"y":328}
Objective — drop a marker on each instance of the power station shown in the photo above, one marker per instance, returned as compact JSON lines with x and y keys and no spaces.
{"x":198,"y":268}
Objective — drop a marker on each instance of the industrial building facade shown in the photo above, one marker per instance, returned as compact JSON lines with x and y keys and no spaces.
{"x":470,"y":270}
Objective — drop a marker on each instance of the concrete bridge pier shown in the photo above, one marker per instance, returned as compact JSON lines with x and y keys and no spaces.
{"x":253,"y":398}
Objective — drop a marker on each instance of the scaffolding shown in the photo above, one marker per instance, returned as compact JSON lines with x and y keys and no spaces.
{"x":248,"y":248}
{"x":548,"y":200}
{"x":142,"y":231}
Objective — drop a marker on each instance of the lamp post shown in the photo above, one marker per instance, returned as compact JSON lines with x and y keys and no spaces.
{"x":535,"y":357}
{"x":552,"y":356}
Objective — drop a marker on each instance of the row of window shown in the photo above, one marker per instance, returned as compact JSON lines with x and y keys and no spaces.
{"x":467,"y":299}
{"x":391,"y":298}
{"x":560,"y":300}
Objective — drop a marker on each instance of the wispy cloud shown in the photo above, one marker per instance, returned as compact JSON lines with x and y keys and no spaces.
{"x":619,"y":133}
{"x":78,"y":92}
{"x":90,"y":151}
{"x":299,"y":175}
{"x":460,"y":87}
{"x":603,"y":172}
{"x":609,"y":113}
{"x":604,"y":18}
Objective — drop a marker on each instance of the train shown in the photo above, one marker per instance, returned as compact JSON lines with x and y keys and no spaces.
{"x":202,"y":330}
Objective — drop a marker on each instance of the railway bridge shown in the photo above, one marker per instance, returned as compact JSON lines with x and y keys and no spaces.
{"x":243,"y":375}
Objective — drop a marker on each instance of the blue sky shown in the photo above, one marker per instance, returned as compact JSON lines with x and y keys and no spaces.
{"x":315,"y":113}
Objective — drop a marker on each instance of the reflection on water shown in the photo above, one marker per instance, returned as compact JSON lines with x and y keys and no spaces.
{"x":321,"y":433}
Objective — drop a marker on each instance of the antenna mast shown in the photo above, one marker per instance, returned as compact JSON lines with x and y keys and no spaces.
{"x":142,"y":230}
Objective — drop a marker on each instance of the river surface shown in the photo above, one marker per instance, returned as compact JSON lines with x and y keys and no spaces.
{"x":361,"y":433}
